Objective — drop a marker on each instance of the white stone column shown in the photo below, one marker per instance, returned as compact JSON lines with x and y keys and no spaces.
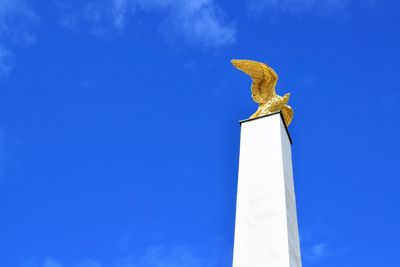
{"x":266,"y":231}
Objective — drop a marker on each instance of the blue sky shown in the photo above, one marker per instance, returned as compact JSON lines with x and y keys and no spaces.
{"x":119,"y":134}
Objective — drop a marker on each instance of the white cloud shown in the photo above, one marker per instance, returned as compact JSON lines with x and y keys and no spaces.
{"x":17,"y":24}
{"x":88,"y":263}
{"x":197,"y":22}
{"x":318,"y":251}
{"x":54,"y":263}
{"x":319,"y":243}
{"x":45,"y":263}
{"x":297,"y":6}
{"x":51,"y":263}
{"x":5,"y":60}
{"x":163,"y":257}
{"x":155,"y":256}
{"x":4,"y":157}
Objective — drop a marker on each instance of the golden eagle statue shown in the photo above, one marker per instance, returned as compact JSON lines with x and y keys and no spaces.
{"x":263,"y":89}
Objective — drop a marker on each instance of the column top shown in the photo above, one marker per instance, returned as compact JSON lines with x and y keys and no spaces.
{"x":283,"y":121}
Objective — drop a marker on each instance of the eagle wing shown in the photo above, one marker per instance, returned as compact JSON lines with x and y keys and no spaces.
{"x":264,"y":79}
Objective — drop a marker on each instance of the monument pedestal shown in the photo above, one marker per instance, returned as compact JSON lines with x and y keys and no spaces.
{"x":266,"y":230}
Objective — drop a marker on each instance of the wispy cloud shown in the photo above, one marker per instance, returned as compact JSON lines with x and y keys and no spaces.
{"x":46,"y":263}
{"x":8,"y":162}
{"x":3,"y":154}
{"x":317,"y":252}
{"x":163,"y":257}
{"x":88,"y":263}
{"x":155,"y":256}
{"x":17,"y":24}
{"x":196,"y":22}
{"x":319,"y":243}
{"x":297,"y":6}
{"x":51,"y":263}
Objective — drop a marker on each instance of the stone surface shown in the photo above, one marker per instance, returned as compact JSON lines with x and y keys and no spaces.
{"x":266,"y":231}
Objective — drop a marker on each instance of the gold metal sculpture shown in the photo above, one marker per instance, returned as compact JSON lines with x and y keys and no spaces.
{"x":263,"y":89}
